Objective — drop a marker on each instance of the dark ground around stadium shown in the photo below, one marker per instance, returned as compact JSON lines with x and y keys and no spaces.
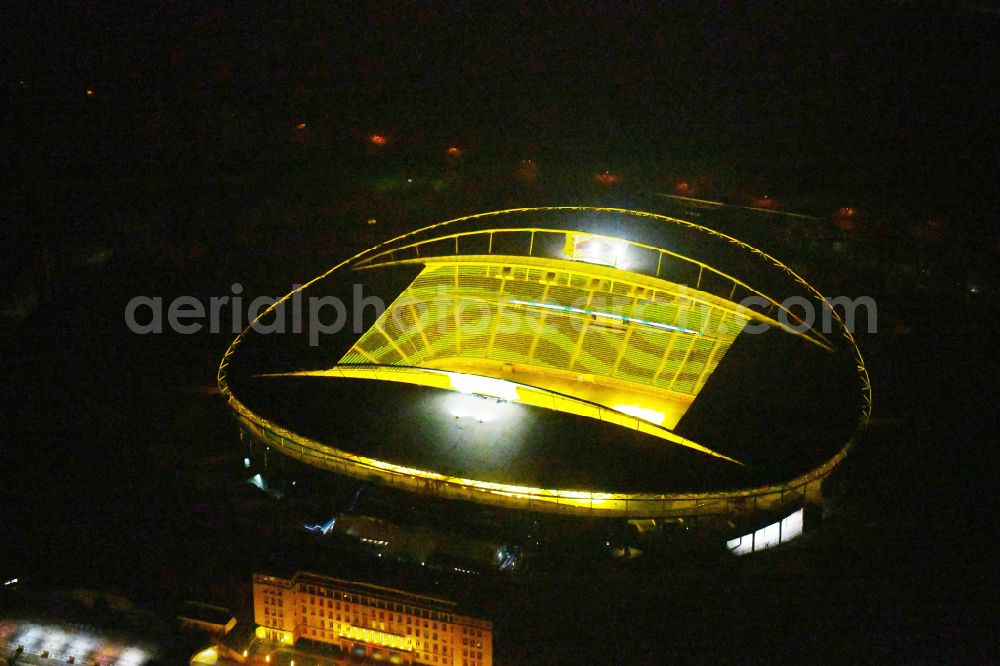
{"x":121,"y":470}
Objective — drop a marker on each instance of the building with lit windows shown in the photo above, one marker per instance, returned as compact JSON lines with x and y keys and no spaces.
{"x":367,"y":620}
{"x":590,"y":362}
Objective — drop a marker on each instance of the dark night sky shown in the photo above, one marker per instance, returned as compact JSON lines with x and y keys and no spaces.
{"x":892,"y":95}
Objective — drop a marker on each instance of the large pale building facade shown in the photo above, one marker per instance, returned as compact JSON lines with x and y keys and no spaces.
{"x":369,"y":620}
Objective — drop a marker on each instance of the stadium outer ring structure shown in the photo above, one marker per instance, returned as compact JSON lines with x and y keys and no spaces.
{"x":803,"y":488}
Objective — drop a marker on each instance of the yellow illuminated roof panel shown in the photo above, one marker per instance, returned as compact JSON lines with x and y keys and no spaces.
{"x":559,"y":326}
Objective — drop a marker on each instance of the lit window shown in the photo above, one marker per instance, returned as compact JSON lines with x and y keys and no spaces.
{"x":767,"y":537}
{"x":791,"y":526}
{"x":742,"y":545}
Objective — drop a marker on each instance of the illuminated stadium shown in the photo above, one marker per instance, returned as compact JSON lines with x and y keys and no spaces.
{"x":571,"y":360}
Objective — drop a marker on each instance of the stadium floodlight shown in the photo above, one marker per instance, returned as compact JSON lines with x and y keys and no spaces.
{"x":602,"y":250}
{"x":643,"y":413}
{"x":488,"y":386}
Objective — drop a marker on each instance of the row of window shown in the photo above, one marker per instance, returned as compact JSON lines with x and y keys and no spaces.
{"x":273,"y":597}
{"x":435,"y":648}
{"x":360,"y":622}
{"x":784,"y":530}
{"x":469,"y":657}
{"x":377,"y":603}
{"x":431,"y":619}
{"x":382,"y":616}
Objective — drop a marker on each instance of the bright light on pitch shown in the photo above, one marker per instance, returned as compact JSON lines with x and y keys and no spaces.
{"x":643,"y":413}
{"x":483,"y":410}
{"x":495,"y":388}
{"x":602,"y":250}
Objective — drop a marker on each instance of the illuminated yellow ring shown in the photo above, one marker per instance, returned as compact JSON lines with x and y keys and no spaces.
{"x":805,"y":487}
